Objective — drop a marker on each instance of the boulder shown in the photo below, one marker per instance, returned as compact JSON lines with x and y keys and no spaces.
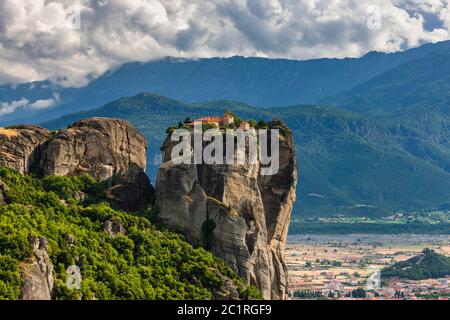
{"x":110,"y":150}
{"x":227,"y":291}
{"x":104,"y":148}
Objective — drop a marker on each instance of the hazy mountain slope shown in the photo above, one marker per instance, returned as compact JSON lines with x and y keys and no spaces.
{"x":423,"y":131}
{"x":413,"y":102}
{"x":423,"y":82}
{"x":347,"y":164}
{"x":351,"y":162}
{"x":262,"y":82}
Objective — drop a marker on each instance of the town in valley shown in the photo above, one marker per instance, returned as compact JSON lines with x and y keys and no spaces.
{"x":348,"y":266}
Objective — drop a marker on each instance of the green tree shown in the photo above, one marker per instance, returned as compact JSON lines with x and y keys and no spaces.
{"x":359,"y":293}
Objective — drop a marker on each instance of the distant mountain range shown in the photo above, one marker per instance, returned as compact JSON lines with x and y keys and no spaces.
{"x":348,"y":164}
{"x":421,"y":82}
{"x":382,"y":144}
{"x":257,"y":81}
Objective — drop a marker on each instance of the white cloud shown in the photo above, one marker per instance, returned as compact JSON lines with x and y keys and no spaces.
{"x":37,"y":40}
{"x":44,"y":103}
{"x":25,"y":104}
{"x":7,"y":108}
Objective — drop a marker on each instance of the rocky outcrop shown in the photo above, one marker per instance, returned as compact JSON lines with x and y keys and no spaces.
{"x":20,"y":147}
{"x":104,"y":148}
{"x":132,"y":195}
{"x":37,"y":274}
{"x":227,"y":291}
{"x":114,"y":228}
{"x":3,"y":190}
{"x":109,"y":150}
{"x":234,"y":211}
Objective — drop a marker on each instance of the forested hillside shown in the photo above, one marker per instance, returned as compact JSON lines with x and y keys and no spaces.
{"x":429,"y":264}
{"x":132,"y":260}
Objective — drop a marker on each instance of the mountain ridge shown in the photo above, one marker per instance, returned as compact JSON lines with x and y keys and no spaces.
{"x":413,"y":102}
{"x":258,"y":81}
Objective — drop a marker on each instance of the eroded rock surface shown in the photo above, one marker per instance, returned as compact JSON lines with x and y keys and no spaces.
{"x":109,"y":150}
{"x":38,"y":272}
{"x":3,"y":190}
{"x":114,"y":228}
{"x":20,"y":147}
{"x":234,"y":211}
{"x":104,"y":148}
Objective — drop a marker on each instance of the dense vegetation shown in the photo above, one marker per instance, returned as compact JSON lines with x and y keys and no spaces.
{"x":143,"y":263}
{"x":427,"y":265}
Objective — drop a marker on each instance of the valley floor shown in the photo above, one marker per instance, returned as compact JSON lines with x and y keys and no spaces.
{"x":432,"y":222}
{"x":340,"y":264}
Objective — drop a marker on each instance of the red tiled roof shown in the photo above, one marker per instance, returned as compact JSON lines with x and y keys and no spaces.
{"x":210,"y":119}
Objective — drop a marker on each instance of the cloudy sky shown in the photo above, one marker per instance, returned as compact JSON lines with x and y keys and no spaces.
{"x":41,"y":39}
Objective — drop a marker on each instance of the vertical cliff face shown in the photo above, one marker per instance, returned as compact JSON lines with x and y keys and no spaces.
{"x":278,"y":196}
{"x":37,"y":274}
{"x":20,"y":146}
{"x":234,"y":211}
{"x":101,"y":147}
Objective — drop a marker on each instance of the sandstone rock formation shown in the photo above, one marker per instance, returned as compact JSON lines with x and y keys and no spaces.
{"x":20,"y":146}
{"x":38,"y":273}
{"x":240,"y":215}
{"x":109,"y":150}
{"x":102,"y":147}
{"x":278,"y":195}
